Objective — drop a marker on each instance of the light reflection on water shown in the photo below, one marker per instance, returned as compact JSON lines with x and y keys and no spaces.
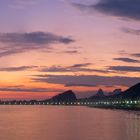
{"x":133,"y":126}
{"x":67,"y":123}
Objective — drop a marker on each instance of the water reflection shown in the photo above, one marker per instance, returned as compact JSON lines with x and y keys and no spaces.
{"x":133,"y":126}
{"x":67,"y":123}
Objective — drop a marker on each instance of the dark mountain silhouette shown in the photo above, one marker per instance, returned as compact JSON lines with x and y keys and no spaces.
{"x":115,"y":91}
{"x":98,"y":95}
{"x":65,"y":96}
{"x":131,"y":93}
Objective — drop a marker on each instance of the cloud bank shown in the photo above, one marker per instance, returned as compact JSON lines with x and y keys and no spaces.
{"x":87,"y":80}
{"x":20,"y":68}
{"x":125,"y":68}
{"x":119,"y":8}
{"x":128,"y":60}
{"x":131,"y":31}
{"x":81,"y":67}
{"x":13,"y":43}
{"x":19,"y":89}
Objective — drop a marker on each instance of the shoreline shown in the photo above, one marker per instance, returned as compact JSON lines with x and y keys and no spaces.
{"x":114,"y":107}
{"x":128,"y":108}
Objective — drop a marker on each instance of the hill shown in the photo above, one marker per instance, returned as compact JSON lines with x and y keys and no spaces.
{"x":64,"y":97}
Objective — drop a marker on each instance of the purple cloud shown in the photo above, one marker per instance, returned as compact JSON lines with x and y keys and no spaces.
{"x":13,"y":43}
{"x":87,"y":80}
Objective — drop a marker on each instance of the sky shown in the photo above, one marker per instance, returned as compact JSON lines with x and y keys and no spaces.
{"x":50,"y":46}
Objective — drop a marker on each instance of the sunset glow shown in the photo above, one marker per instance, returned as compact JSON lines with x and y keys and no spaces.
{"x":50,"y":46}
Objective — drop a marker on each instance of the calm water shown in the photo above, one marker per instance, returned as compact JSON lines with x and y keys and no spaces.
{"x":67,"y":123}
